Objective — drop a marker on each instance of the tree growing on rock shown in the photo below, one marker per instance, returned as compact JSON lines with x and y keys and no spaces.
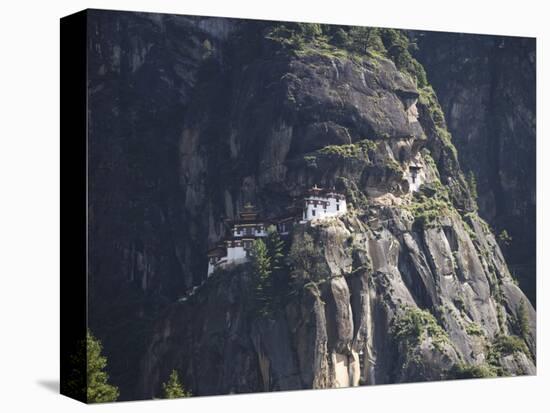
{"x":173,"y":388}
{"x":472,"y":184}
{"x":275,"y":246}
{"x":98,"y":388}
{"x":522,"y":321}
{"x":262,"y":267}
{"x":306,"y":261}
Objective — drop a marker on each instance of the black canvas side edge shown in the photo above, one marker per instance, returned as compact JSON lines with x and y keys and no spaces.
{"x":73,"y":231}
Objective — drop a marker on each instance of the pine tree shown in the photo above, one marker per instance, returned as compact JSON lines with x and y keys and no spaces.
{"x":341,"y":38}
{"x":275,"y":246}
{"x":261,"y":263}
{"x":522,"y":320}
{"x":173,"y":389}
{"x":98,"y":388}
{"x":472,"y":184}
{"x":306,"y":261}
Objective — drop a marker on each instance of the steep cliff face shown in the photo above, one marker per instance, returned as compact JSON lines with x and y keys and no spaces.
{"x":487,"y":89}
{"x":212,"y":113}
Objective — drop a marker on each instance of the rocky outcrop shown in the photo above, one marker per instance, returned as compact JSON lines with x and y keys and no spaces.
{"x":367,"y":321}
{"x":487,"y":89}
{"x":404,"y":287}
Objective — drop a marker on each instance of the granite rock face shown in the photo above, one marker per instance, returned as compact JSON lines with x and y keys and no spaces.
{"x":405,"y":287}
{"x":487,"y":88}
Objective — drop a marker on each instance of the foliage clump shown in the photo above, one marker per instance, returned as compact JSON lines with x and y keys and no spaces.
{"x":398,"y":48}
{"x":98,"y":388}
{"x":355,"y":42}
{"x":504,"y":238}
{"x":358,"y":150}
{"x":468,"y":371}
{"x":429,"y":203}
{"x":354,"y":195}
{"x":267,"y":259}
{"x":429,"y":99}
{"x":472,"y":184}
{"x":474,"y":329}
{"x":173,"y":388}
{"x":522,"y":320}
{"x":414,"y":325}
{"x":506,"y":345}
{"x":306,"y":261}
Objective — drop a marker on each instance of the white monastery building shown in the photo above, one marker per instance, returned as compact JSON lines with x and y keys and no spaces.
{"x":320,"y":203}
{"x":317,"y":204}
{"x":236,"y":249}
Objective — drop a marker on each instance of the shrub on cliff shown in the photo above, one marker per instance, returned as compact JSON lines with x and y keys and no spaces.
{"x":398,"y":45}
{"x":467,"y":371}
{"x":306,"y":261}
{"x":414,"y":325}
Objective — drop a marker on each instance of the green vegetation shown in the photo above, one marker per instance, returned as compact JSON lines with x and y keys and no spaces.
{"x":504,"y":346}
{"x":341,"y":151}
{"x":358,"y":150}
{"x":472,"y":184}
{"x":311,"y":161}
{"x":504,"y":238}
{"x":393,"y":166}
{"x":467,"y":371}
{"x":358,"y":44}
{"x":341,"y":38}
{"x":360,"y":40}
{"x":459,"y":303}
{"x":500,"y":311}
{"x":354,"y":43}
{"x":398,"y":48}
{"x":173,"y":389}
{"x":98,"y":388}
{"x":287,"y":35}
{"x":261,"y":263}
{"x":306,"y":261}
{"x":430,"y":203}
{"x":354,"y":195}
{"x":208,"y":49}
{"x":275,"y":246}
{"x":522,"y":321}
{"x":429,"y":99}
{"x":474,"y":329}
{"x":415,"y":325}
{"x":267,"y":259}
{"x":429,"y":160}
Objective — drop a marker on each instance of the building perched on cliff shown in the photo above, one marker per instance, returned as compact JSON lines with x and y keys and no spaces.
{"x":317,"y":204}
{"x":236,"y":249}
{"x":416,"y":176}
{"x":321,"y":203}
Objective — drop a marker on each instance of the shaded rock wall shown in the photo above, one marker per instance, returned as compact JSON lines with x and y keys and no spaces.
{"x":487,"y":88}
{"x":187,"y":125}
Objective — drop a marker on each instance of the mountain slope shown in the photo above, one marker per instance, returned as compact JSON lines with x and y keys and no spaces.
{"x":210,"y":114}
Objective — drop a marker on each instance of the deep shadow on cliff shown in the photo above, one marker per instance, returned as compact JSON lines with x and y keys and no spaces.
{"x":487,"y":88}
{"x":191,"y":118}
